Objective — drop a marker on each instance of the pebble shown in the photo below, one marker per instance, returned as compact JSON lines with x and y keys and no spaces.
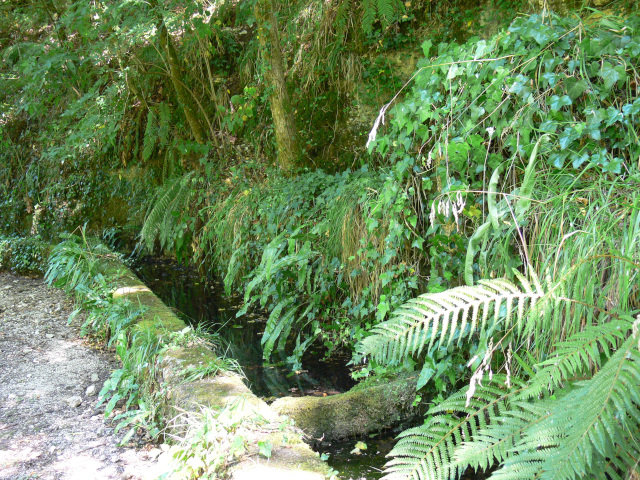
{"x":91,"y":391}
{"x":74,"y":401}
{"x":49,"y":335}
{"x":95,"y":377}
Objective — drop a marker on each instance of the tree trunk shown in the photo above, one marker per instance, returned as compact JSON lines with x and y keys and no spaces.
{"x":184,"y":96}
{"x":289,"y":152}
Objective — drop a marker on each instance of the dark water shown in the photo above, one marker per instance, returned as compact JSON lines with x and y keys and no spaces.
{"x":204,"y":304}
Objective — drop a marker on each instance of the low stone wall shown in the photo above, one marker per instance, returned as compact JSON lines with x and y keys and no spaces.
{"x":290,"y":457}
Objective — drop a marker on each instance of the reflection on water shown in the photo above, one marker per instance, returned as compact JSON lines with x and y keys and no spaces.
{"x":203,"y":303}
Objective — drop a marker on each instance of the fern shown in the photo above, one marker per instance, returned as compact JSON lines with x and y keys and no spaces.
{"x":425,"y":452}
{"x":369,"y":10}
{"x":569,"y":442}
{"x":535,"y":436}
{"x":582,"y":352}
{"x":162,"y":218}
{"x":284,"y":271}
{"x":150,"y":135}
{"x":453,"y":314}
{"x":387,"y":10}
{"x":164,"y":124}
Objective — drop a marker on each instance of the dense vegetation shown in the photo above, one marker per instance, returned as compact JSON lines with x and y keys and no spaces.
{"x":486,"y":236}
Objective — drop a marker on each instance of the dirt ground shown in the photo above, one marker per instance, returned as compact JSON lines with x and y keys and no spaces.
{"x":49,"y":380}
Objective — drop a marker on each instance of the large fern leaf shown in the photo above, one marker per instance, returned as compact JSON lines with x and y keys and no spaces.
{"x":368,"y":15}
{"x":150,"y":135}
{"x":580,"y":353}
{"x":170,"y":203}
{"x":582,"y":432}
{"x":440,"y":318}
{"x":426,"y":452}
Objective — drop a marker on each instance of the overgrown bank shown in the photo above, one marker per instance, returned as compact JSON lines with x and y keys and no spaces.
{"x":511,"y":159}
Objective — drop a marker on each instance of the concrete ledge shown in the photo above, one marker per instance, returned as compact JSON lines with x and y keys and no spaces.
{"x":290,"y":458}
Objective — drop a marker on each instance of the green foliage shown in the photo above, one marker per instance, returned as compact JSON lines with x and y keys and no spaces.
{"x":536,"y":349}
{"x":166,"y":217}
{"x":319,"y":252}
{"x":22,"y":255}
{"x":78,"y":265}
{"x":77,"y":261}
{"x":213,"y":439}
{"x":133,"y":386}
{"x":496,"y":422}
{"x":384,"y":11}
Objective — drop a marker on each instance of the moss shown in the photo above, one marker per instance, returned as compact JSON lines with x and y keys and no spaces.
{"x":356,"y":412}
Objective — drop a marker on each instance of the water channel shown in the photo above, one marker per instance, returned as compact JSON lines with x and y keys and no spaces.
{"x":203,"y":303}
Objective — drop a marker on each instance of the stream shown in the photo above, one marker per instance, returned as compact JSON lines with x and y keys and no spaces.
{"x":203,"y":303}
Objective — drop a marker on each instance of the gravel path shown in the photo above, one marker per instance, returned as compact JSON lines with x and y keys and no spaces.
{"x":49,"y":426}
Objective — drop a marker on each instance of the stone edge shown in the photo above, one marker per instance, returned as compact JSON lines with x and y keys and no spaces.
{"x":291,"y":458}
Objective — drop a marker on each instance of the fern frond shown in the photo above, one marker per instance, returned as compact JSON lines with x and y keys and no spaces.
{"x":581,"y":431}
{"x":495,"y":442}
{"x":368,"y":15}
{"x":453,"y":314}
{"x":426,"y":452}
{"x":576,"y":356}
{"x":387,"y":10}
{"x":150,"y":135}
{"x":169,"y":204}
{"x":164,"y":124}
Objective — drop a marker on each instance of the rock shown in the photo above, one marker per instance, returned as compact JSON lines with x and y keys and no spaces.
{"x":363,"y":409}
{"x":95,"y":377}
{"x":49,"y":335}
{"x":74,"y":401}
{"x":91,"y":391}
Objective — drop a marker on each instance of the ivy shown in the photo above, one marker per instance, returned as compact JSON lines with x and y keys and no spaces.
{"x":472,"y":107}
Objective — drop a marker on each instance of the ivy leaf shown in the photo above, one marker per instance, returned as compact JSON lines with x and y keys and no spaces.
{"x":613,"y":166}
{"x":520,"y":87}
{"x":600,"y":158}
{"x":575,"y":88}
{"x":613,"y":115}
{"x":549,"y":126}
{"x":595,"y":116}
{"x":567,"y":137}
{"x":611,"y":75}
{"x":551,"y":79}
{"x":556,"y":102}
{"x":557,"y":159}
{"x":577,"y":160}
{"x":594,"y":132}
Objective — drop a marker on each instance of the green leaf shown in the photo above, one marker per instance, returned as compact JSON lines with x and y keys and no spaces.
{"x":426,"y":46}
{"x":526,"y":190}
{"x":612,"y":75}
{"x":556,"y":102}
{"x":265,"y":447}
{"x":427,"y":372}
{"x":575,"y":88}
{"x":481,"y":232}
